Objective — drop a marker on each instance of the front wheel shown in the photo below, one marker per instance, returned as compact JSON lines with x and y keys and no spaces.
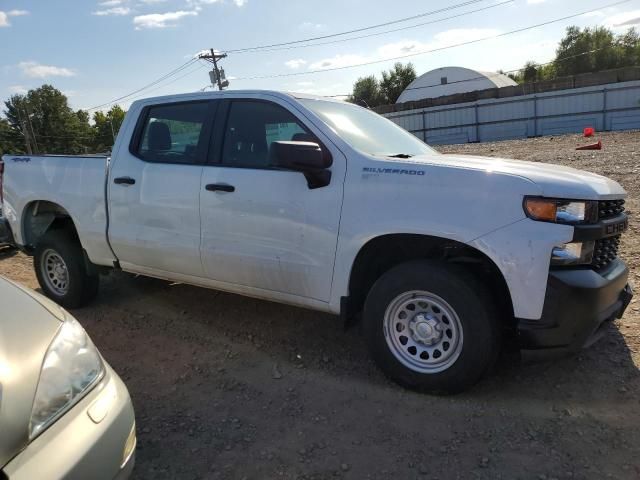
{"x":430,"y":326}
{"x":61,"y":271}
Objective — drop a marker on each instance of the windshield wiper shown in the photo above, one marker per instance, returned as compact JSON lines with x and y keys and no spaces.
{"x":400,"y":155}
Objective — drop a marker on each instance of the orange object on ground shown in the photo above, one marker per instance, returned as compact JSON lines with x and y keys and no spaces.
{"x":591,"y":146}
{"x":589,"y":131}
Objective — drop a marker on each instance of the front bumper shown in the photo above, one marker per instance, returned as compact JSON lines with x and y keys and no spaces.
{"x":78,"y":446}
{"x":578,"y":304}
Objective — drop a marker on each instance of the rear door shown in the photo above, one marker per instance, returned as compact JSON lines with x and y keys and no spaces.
{"x":263,"y":227}
{"x":154,"y":189}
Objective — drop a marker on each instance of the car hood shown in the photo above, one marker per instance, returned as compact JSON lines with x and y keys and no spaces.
{"x":554,"y":180}
{"x":28,"y":324}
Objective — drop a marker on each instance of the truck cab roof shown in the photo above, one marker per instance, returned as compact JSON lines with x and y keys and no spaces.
{"x":234,"y":94}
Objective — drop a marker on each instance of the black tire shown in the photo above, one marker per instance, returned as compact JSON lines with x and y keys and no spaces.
{"x":469,"y":301}
{"x":82,"y":287}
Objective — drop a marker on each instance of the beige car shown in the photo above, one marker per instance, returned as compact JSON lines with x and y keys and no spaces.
{"x":64,"y":413}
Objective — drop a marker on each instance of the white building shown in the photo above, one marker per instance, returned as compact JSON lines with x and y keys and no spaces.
{"x":451,"y":80}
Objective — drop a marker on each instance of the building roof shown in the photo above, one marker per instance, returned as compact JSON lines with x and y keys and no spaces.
{"x":451,"y":80}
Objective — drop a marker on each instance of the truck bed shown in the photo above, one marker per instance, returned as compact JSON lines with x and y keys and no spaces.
{"x":45,"y":181}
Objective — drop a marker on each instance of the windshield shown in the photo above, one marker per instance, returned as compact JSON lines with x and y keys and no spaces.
{"x":367,"y":131}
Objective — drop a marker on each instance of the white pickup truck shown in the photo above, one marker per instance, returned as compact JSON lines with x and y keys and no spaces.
{"x":329,"y":206}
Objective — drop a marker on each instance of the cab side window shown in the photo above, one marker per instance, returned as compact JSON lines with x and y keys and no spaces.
{"x":174,"y":133}
{"x":252,"y":126}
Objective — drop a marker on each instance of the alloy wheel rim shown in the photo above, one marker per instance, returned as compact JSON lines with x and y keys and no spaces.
{"x":423,"y":331}
{"x":55,"y":272}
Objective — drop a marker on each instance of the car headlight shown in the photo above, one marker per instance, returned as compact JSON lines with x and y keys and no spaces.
{"x":573,"y":253}
{"x":560,"y":211}
{"x":71,"y":367}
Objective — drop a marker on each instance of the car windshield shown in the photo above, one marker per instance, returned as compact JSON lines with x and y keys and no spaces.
{"x":367,"y":131}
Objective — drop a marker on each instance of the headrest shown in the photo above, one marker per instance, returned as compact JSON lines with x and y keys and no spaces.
{"x":159,"y":136}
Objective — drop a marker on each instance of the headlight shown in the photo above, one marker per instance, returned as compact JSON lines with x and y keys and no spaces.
{"x":560,"y":211}
{"x":71,"y":366}
{"x":574,"y":253}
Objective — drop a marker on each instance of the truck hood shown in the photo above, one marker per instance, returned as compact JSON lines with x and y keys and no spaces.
{"x":554,"y":180}
{"x":28,"y":325}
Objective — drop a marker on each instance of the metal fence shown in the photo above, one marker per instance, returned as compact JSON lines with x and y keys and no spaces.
{"x":614,"y":106}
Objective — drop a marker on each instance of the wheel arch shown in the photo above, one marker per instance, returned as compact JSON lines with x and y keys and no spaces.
{"x":379,"y":254}
{"x":40,"y":216}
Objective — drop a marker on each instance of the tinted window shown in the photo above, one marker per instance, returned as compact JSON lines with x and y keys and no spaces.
{"x":174,"y":133}
{"x":251,"y":129}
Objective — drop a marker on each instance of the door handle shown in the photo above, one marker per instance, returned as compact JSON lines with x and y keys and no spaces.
{"x":124,"y":181}
{"x":220,"y":187}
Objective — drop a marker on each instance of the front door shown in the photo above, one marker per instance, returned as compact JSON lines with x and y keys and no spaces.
{"x":154,"y":190}
{"x":264,"y":227}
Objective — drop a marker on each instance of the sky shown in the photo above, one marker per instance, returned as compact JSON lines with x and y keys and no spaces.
{"x":98,"y":50}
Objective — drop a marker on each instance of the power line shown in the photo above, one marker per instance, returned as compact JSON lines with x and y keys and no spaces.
{"x":357,"y":30}
{"x":187,"y":64}
{"x":155,"y":82}
{"x":469,"y":42}
{"x":557,"y":60}
{"x":480,"y":77}
{"x":375,"y":34}
{"x":193,"y":70}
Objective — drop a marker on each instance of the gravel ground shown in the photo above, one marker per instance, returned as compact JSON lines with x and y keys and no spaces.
{"x":230,"y":387}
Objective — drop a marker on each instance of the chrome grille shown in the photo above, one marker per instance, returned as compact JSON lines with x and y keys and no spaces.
{"x":610,"y":208}
{"x":605,"y":251}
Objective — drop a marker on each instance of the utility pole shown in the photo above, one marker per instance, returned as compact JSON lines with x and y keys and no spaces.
{"x":33,"y":133}
{"x":25,"y":131}
{"x":217,"y":75}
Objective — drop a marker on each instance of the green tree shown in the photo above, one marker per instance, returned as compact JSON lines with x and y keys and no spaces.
{"x":11,"y":140}
{"x":106,"y":127}
{"x":371,"y":92}
{"x":584,"y":51}
{"x":395,"y":81}
{"x":629,"y":48}
{"x":366,"y":92}
{"x":588,"y":50}
{"x":530,"y":72}
{"x":53,"y":126}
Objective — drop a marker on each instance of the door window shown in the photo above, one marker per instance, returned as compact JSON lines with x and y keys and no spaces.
{"x":174,"y":133}
{"x":251,"y":129}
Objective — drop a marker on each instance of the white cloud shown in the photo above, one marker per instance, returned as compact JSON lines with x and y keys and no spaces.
{"x":113,"y":11}
{"x":197,"y":4}
{"x":338,"y":61}
{"x":310,"y":26}
{"x":406,"y":47}
{"x":625,"y":19}
{"x":37,"y":70}
{"x":593,"y":14}
{"x":295,"y":63}
{"x":460,"y":35}
{"x":161,"y":20}
{"x":18,"y":89}
{"x":110,"y":3}
{"x":534,"y":2}
{"x":4,"y":16}
{"x":149,"y":2}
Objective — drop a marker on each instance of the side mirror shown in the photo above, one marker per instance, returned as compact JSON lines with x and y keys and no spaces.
{"x":305,"y":157}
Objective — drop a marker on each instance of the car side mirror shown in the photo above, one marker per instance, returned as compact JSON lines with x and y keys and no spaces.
{"x":305,"y":157}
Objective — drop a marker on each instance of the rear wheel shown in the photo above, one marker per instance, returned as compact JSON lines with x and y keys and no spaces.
{"x":61,"y":270}
{"x":429,"y":326}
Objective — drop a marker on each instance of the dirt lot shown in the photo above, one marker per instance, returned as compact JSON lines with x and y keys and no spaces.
{"x":229,"y":387}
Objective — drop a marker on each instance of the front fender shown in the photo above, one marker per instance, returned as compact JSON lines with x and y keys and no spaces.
{"x":522,"y":253}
